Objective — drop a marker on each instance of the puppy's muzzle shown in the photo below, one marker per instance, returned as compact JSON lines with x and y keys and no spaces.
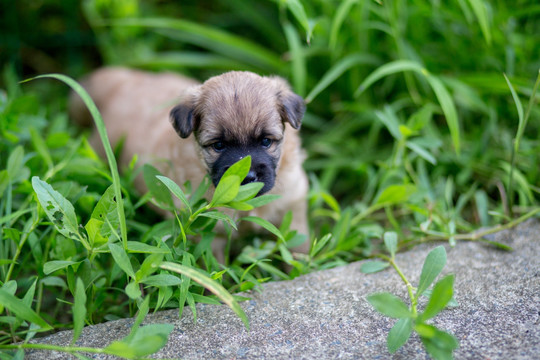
{"x":263,"y":167}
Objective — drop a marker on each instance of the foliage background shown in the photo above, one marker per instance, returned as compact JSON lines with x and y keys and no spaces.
{"x":411,"y":125}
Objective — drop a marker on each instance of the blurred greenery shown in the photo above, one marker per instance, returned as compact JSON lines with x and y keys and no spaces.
{"x":411,"y":125}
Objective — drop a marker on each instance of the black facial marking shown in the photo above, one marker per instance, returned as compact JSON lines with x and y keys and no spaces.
{"x":263,"y":165}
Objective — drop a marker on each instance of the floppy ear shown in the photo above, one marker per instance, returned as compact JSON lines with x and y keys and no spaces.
{"x":292,"y":106}
{"x":293,"y":109}
{"x":183,"y":116}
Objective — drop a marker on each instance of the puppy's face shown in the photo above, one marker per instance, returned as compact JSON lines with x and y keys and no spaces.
{"x":239,"y":114}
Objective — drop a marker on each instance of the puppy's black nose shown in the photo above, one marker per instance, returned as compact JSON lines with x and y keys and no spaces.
{"x":250,"y":177}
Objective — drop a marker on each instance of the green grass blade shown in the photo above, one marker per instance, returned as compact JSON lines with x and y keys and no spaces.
{"x":185,"y":59}
{"x":297,"y":9}
{"x":523,"y":119}
{"x":100,"y":125}
{"x":442,"y":94}
{"x":519,"y":106}
{"x":212,"y":39}
{"x":79,"y":310}
{"x":209,"y":284}
{"x":337,"y":70}
{"x":341,"y":14}
{"x":448,"y":108}
{"x":386,"y":70}
{"x":298,"y":67}
{"x":17,"y":306}
{"x":481,"y":14}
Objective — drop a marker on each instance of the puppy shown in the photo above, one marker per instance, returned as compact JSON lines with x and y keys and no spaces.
{"x":214,"y":125}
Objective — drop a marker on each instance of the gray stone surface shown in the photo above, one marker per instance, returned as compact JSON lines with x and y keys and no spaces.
{"x":325,"y":315}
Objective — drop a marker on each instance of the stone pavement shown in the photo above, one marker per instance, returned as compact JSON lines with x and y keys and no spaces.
{"x":325,"y":315}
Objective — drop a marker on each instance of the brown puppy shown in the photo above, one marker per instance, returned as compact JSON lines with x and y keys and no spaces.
{"x":221,"y":121}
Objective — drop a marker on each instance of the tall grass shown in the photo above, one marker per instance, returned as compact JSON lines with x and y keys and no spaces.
{"x":411,"y":130}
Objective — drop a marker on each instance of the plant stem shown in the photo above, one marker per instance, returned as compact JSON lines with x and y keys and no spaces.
{"x":410,"y":288}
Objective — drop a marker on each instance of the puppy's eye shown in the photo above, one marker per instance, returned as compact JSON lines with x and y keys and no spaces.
{"x":218,"y":146}
{"x":266,"y":142}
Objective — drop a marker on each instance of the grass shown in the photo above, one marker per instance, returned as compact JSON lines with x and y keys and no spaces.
{"x":415,"y":127}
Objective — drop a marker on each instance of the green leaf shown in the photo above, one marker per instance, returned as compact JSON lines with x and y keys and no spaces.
{"x":481,"y":14}
{"x":226,"y":190}
{"x":140,"y":247}
{"x":79,"y":310}
{"x":395,"y":194}
{"x":399,"y":334}
{"x":241,"y":206}
{"x":389,"y":305}
{"x":318,"y":245}
{"x":248,"y":191}
{"x":186,"y":283}
{"x":439,"y":344}
{"x":433,"y":265}
{"x":93,"y":229}
{"x":175,"y":189}
{"x":262,"y":200}
{"x":121,"y":258}
{"x":162,"y":280}
{"x":440,"y":296}
{"x":265,"y":224}
{"x":144,"y":307}
{"x":147,"y":340}
{"x":220,"y":216}
{"x":58,"y":209}
{"x":15,"y":163}
{"x":21,"y":310}
{"x":391,"y":241}
{"x":156,"y":186}
{"x":4,"y":182}
{"x":297,"y":9}
{"x":41,"y":147}
{"x":420,"y":151}
{"x":342,"y":12}
{"x":106,"y":212}
{"x":216,"y":40}
{"x":209,"y":284}
{"x":370,"y":267}
{"x":331,"y":202}
{"x":298,"y":59}
{"x":149,"y":266}
{"x":240,"y":168}
{"x":55,"y":265}
{"x":442,"y":94}
{"x":133,"y":290}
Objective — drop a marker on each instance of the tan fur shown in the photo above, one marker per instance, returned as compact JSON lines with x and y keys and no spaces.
{"x":135,"y":105}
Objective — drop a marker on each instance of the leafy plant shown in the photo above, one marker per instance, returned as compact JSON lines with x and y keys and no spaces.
{"x":410,"y":130}
{"x":438,"y":343}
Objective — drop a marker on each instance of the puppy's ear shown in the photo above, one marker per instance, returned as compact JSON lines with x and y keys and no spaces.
{"x":183,"y":116}
{"x":292,"y":106}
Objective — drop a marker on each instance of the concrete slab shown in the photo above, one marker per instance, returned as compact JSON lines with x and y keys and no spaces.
{"x":325,"y":315}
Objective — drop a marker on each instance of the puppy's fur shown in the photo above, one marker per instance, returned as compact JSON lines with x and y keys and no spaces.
{"x":217,"y":123}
